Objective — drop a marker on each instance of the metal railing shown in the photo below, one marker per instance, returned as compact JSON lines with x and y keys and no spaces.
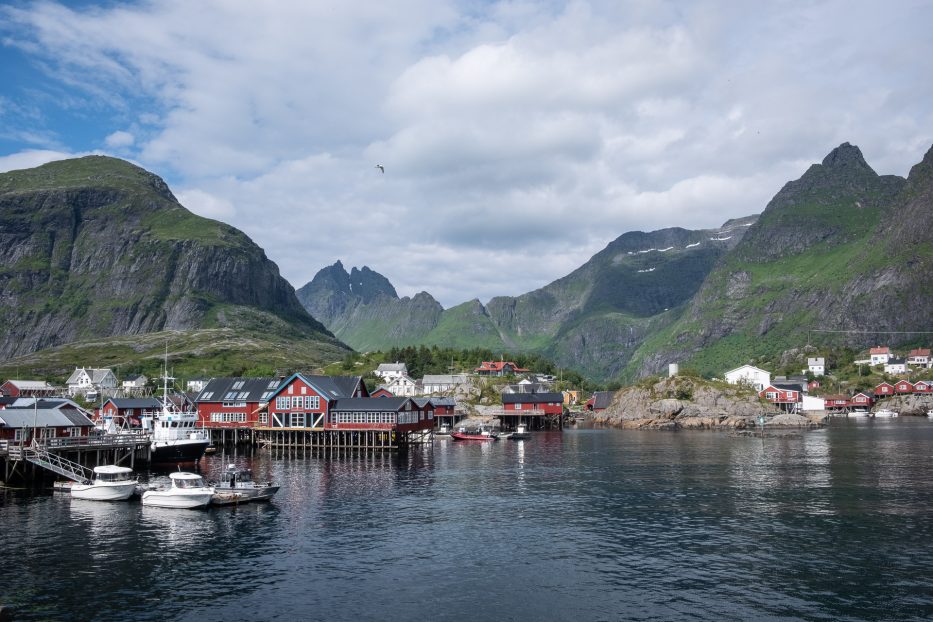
{"x":51,"y":462}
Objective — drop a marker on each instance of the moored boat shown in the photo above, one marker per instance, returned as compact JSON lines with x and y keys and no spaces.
{"x":884,"y":412}
{"x":237,"y":486}
{"x":110,"y":483}
{"x":521,"y":433}
{"x":474,"y":435}
{"x":175,"y":435}
{"x":186,"y":492}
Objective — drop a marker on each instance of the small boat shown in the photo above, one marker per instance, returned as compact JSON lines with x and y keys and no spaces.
{"x":859,"y":413}
{"x":237,"y":486}
{"x":187,"y":491}
{"x":443,"y":430}
{"x":521,"y":433}
{"x":884,"y":412}
{"x":110,"y":483}
{"x":930,"y":413}
{"x":474,"y":435}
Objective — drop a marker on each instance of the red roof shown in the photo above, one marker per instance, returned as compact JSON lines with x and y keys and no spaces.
{"x":920,"y":352}
{"x":499,"y":366}
{"x":881,"y":350}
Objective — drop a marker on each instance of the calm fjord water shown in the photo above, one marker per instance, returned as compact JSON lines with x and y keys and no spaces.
{"x":581,"y":525}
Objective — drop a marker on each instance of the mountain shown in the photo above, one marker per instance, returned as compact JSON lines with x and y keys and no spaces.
{"x":95,"y":247}
{"x":842,"y":248}
{"x":592,"y":320}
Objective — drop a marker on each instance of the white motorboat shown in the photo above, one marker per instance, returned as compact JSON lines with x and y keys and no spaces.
{"x":521,"y":433}
{"x":930,"y":413}
{"x":110,"y":483}
{"x":187,"y":491}
{"x":884,"y":412}
{"x":859,"y":413}
{"x":237,"y":486}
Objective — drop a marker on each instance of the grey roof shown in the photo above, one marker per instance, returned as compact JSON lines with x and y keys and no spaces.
{"x":43,"y":418}
{"x":337,"y":386}
{"x":602,"y":399}
{"x":369,"y":404}
{"x":392,"y":367}
{"x":239,"y":390}
{"x":894,"y":361}
{"x":444,"y":401}
{"x":527,"y":387}
{"x":96,"y":375}
{"x":31,"y":385}
{"x":532,"y":398}
{"x":141,"y":402}
{"x":816,"y":361}
{"x":43,"y":402}
{"x":7,"y":401}
{"x":786,"y":386}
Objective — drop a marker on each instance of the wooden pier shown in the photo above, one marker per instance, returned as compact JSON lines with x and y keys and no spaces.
{"x":26,"y":462}
{"x":343,"y":439}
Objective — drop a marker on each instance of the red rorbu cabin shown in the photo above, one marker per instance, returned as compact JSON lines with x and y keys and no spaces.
{"x":903,"y":386}
{"x":129,"y":410}
{"x":884,"y":390}
{"x":923,"y":386}
{"x":835,"y":403}
{"x":785,"y":396}
{"x":861,"y":401}
{"x":303,"y":401}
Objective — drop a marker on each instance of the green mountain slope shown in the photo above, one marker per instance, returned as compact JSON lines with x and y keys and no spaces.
{"x":591,"y":320}
{"x":842,"y":248}
{"x":96,"y":247}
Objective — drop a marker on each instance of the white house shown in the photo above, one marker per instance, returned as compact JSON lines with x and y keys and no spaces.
{"x":919,"y":357}
{"x":438,"y":383}
{"x":402,"y":386}
{"x":880,"y":355}
{"x":895,"y":366}
{"x":196,"y":385}
{"x":817,"y":366}
{"x":390,"y":371}
{"x":750,"y":375}
{"x":134,"y":383}
{"x":83,"y":380}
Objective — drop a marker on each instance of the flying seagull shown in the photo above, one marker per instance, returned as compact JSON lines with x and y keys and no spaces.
{"x":381,"y":168}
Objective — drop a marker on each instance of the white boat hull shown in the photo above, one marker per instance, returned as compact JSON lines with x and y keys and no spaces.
{"x":103,"y":491}
{"x":177,"y":499}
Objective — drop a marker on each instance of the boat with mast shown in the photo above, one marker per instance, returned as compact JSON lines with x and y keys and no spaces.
{"x":175,"y":435}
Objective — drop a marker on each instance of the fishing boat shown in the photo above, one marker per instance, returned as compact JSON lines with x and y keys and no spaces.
{"x":237,"y":486}
{"x":483,"y":434}
{"x":187,"y":491}
{"x":176,"y":437}
{"x":110,"y":483}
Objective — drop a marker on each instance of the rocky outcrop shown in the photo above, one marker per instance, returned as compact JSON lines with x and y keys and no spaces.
{"x":908,"y":405}
{"x":97,"y":247}
{"x":684,"y":403}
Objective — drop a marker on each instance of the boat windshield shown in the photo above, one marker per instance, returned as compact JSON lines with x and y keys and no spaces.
{"x":114,"y":477}
{"x":194,"y":482}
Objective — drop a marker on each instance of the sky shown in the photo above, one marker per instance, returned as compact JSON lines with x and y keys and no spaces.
{"x":517,"y":138}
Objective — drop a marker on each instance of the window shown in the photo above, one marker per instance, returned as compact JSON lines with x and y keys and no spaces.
{"x":312,"y":402}
{"x":237,"y":385}
{"x":243,"y":395}
{"x":234,"y":404}
{"x":273,"y":385}
{"x":19,"y":435}
{"x":208,"y":395}
{"x":298,"y":420}
{"x":263,"y":418}
{"x":771,"y":395}
{"x":282,"y":403}
{"x":266,"y":396}
{"x":230,"y":396}
{"x":297,"y":401}
{"x":304,"y":390}
{"x":74,"y":431}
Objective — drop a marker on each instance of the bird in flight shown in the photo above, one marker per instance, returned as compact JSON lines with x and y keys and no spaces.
{"x":381,"y":168}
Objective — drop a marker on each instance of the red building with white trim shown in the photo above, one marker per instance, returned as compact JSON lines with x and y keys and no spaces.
{"x":903,"y":387}
{"x":884,"y":389}
{"x":787,"y":397}
{"x":499,"y":368}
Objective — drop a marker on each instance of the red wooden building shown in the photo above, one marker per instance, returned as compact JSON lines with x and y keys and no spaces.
{"x":903,"y":387}
{"x":234,"y":402}
{"x":128,"y":410}
{"x":835,"y":403}
{"x":49,"y":421}
{"x":861,"y":401}
{"x":600,"y":401}
{"x":923,"y":386}
{"x":304,"y":401}
{"x":382,"y":392}
{"x":787,"y":397}
{"x":884,"y":389}
{"x":26,"y":388}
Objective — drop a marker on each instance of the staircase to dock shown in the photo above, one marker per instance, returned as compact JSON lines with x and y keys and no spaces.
{"x":41,"y":457}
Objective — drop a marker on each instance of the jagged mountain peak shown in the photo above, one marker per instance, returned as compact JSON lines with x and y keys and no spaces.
{"x":368,"y":284}
{"x":847,"y":156}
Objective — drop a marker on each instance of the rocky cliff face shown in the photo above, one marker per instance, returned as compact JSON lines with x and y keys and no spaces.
{"x":838,"y":249}
{"x":95,"y":247}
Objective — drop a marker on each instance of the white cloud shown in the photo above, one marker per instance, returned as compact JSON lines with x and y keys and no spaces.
{"x":32,"y":158}
{"x":119,"y":140}
{"x":518,"y":137}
